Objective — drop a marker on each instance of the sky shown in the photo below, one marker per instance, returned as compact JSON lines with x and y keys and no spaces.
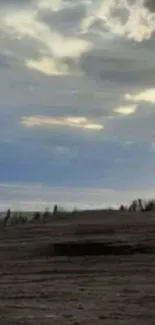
{"x":77,"y":102}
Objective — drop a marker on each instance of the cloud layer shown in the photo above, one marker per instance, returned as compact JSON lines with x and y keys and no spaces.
{"x":78,"y":94}
{"x":36,"y":197}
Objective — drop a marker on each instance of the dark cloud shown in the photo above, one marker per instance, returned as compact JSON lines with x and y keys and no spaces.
{"x":130,"y":66}
{"x":66,"y":21}
{"x":15,"y":2}
{"x":5,"y":61}
{"x":135,"y":128}
{"x":150,"y":4}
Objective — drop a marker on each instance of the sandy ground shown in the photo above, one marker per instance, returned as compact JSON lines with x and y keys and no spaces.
{"x":37,"y":287}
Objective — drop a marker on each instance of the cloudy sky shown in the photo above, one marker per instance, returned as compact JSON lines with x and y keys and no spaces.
{"x":77,"y":102}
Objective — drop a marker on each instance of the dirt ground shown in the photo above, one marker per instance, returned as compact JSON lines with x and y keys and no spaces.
{"x":39,"y":287}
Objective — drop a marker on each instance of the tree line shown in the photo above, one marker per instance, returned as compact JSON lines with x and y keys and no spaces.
{"x":20,"y":218}
{"x":14,"y":218}
{"x":140,"y":205}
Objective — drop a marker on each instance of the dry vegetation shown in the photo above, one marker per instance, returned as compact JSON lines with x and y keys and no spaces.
{"x":48,"y":275}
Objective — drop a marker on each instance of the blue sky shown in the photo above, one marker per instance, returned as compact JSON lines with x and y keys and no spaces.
{"x":77,"y":102}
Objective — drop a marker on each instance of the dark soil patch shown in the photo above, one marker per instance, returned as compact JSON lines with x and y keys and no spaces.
{"x":94,"y":248}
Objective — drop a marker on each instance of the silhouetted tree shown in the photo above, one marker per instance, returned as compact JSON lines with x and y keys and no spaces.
{"x":37,"y":217}
{"x":122,"y":208}
{"x":46,"y":215}
{"x":150,"y":206}
{"x":141,"y":206}
{"x":7,"y":217}
{"x":55,"y":209}
{"x":133,"y":206}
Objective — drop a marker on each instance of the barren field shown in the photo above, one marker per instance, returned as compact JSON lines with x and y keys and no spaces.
{"x":93,"y":268}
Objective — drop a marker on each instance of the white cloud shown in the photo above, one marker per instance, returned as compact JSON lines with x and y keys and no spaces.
{"x":147,"y":95}
{"x":25,"y":24}
{"x":123,"y":18}
{"x":48,"y":66}
{"x":46,"y":121}
{"x":21,"y":24}
{"x":126,"y":109}
{"x":52,"y":5}
{"x":69,"y":47}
